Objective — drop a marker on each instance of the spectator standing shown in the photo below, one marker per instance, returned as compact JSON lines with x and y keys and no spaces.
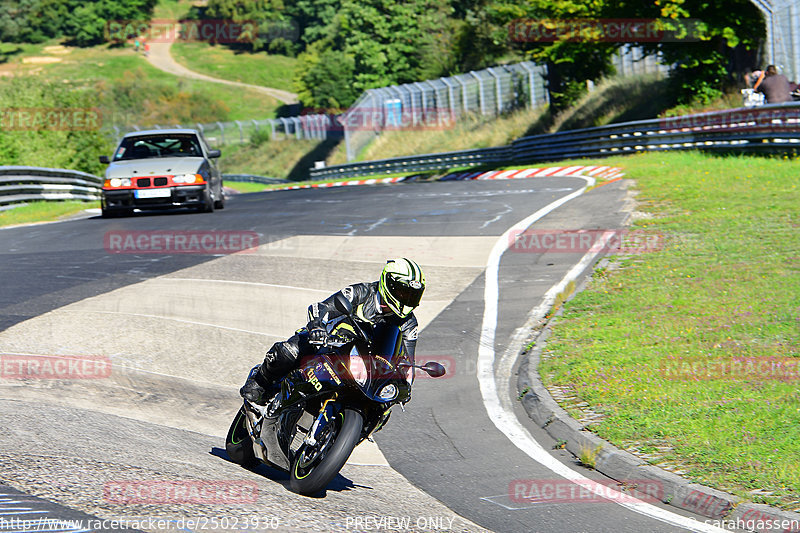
{"x":774,"y":86}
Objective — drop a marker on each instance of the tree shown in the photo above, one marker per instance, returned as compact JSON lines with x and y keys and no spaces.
{"x":324,"y":79}
{"x":701,"y":38}
{"x":83,"y":22}
{"x":266,"y":15}
{"x":702,"y":55}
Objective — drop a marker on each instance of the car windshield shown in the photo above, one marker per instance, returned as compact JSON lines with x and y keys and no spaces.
{"x":147,"y":146}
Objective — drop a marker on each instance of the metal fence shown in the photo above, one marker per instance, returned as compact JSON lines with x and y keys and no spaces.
{"x":27,"y":184}
{"x":632,"y":61}
{"x":443,"y":101}
{"x":782,"y":18}
{"x":770,"y":129}
{"x":218,"y":134}
{"x":428,"y":103}
{"x":425,"y":104}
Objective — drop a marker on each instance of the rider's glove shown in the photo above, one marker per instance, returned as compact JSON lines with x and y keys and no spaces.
{"x":317,"y":335}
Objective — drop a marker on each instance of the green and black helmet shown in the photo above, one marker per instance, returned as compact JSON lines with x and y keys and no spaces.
{"x":401,"y":286}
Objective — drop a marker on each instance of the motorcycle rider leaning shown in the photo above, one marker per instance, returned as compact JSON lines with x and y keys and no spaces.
{"x":392,"y":299}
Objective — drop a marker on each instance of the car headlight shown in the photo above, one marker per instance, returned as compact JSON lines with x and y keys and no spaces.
{"x":119,"y":182}
{"x":188,"y":178}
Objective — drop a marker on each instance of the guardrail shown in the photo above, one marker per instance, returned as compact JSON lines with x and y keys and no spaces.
{"x":397,"y":165}
{"x":770,"y":128}
{"x":245,"y":178}
{"x":27,"y":184}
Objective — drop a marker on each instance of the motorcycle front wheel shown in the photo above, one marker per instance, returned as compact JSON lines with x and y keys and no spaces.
{"x":315,"y":466}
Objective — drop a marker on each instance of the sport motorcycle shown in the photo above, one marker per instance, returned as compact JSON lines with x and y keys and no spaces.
{"x":337,"y":397}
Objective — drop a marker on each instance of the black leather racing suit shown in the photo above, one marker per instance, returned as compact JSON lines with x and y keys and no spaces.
{"x":285,"y":356}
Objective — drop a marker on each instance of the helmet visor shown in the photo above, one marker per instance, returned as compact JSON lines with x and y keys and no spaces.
{"x":407,"y":294}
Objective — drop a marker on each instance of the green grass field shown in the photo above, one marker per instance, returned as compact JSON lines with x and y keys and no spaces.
{"x":722,"y":285}
{"x":272,"y":158}
{"x":43,"y":212}
{"x":268,"y":70}
{"x":246,"y":186}
{"x":472,"y":132}
{"x":104,"y":66}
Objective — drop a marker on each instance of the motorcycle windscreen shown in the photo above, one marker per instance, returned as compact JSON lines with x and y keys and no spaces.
{"x":388,"y":344}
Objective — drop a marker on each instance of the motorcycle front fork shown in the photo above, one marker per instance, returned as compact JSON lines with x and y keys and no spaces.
{"x":326,"y":415}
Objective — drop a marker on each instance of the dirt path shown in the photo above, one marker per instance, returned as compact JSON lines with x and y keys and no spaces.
{"x":161,"y":58}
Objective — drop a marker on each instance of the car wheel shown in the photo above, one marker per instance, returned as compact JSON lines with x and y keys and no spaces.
{"x":220,"y":204}
{"x":208,"y":203}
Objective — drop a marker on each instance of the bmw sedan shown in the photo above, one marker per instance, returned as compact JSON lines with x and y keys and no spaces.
{"x":159,"y":169}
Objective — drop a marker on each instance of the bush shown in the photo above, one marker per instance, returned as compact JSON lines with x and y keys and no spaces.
{"x":161,"y":103}
{"x":68,"y":144}
{"x":259,"y":137}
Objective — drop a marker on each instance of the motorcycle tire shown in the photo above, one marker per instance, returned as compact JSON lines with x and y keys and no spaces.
{"x":238,"y":443}
{"x":312,"y":470}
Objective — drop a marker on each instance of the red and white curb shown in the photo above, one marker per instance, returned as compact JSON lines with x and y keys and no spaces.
{"x":593,"y":171}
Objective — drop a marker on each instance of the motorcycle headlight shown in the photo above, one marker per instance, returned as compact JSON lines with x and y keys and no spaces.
{"x":358,"y":369}
{"x":389,"y":392}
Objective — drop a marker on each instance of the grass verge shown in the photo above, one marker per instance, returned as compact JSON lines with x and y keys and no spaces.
{"x":132,"y":91}
{"x":246,"y":186}
{"x":43,"y":212}
{"x":647,"y":344}
{"x":471,"y":132}
{"x":259,"y":68}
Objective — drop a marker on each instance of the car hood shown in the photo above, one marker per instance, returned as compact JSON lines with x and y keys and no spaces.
{"x":154,"y":167}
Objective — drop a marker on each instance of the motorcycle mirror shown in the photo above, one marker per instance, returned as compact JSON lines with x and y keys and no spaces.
{"x":434,"y":369}
{"x":342,"y":304}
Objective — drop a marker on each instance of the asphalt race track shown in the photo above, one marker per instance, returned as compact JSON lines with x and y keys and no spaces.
{"x":174,"y":334}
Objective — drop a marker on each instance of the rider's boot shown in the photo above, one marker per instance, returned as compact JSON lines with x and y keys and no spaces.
{"x":263,"y":383}
{"x":257,"y":387}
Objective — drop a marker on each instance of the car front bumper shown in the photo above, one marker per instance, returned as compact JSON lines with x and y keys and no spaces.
{"x":184,"y":196}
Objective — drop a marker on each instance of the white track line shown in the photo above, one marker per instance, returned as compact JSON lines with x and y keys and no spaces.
{"x":207,"y":280}
{"x":505,"y":420}
{"x":174,"y":319}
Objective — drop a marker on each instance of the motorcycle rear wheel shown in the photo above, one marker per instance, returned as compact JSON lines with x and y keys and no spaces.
{"x":315,"y":467}
{"x":238,"y":443}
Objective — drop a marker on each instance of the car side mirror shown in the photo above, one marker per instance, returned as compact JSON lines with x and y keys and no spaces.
{"x":104,"y":159}
{"x":342,"y":304}
{"x":213,"y":154}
